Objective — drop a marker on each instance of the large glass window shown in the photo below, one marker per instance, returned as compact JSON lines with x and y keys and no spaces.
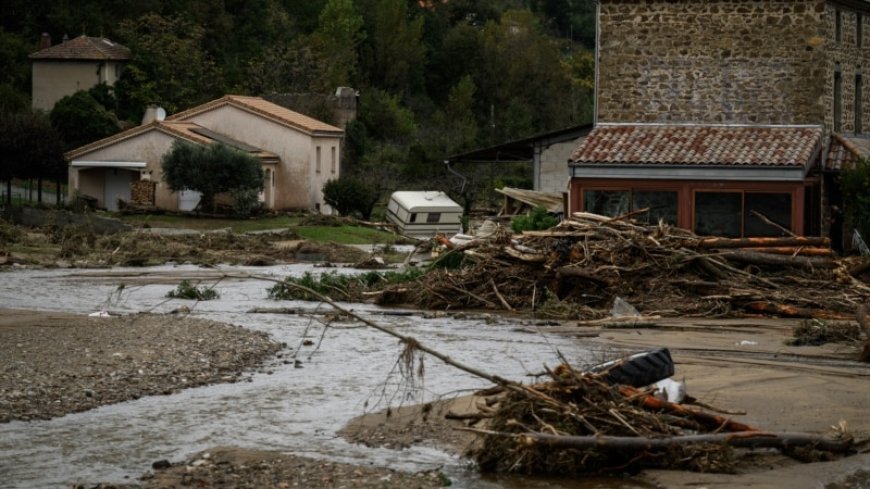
{"x":606,"y":202}
{"x":718,"y":214}
{"x":433,"y":217}
{"x":775,"y":207}
{"x":662,"y":204}
{"x":736,"y":214}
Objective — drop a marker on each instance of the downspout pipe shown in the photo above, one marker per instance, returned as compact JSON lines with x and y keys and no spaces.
{"x":596,"y":59}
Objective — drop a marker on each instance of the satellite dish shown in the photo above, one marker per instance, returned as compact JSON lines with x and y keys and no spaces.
{"x":161,"y":114}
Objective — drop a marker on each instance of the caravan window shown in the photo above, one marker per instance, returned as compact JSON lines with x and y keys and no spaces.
{"x":433,"y":217}
{"x":413,"y":217}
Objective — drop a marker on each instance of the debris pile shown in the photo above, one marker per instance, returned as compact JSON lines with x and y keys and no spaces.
{"x":580,"y":266}
{"x":576,"y":423}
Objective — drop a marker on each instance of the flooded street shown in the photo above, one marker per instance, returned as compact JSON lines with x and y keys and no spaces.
{"x":293,"y":408}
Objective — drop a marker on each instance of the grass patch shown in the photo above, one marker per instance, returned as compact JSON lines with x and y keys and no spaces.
{"x":186,"y":290}
{"x":345,"y":234}
{"x":339,"y":287}
{"x":341,"y":234}
{"x":207,"y":223}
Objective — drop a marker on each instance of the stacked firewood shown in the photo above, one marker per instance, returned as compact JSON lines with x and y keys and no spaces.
{"x":589,"y":260}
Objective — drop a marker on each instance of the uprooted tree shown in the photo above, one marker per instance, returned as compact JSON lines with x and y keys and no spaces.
{"x":211,"y":170}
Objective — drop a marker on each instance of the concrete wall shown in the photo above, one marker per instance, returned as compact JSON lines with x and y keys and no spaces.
{"x":735,"y":61}
{"x":55,"y":79}
{"x":555,"y":175}
{"x":297,"y":185}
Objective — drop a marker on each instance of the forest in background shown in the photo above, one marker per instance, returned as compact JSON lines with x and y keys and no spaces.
{"x":435,"y":77}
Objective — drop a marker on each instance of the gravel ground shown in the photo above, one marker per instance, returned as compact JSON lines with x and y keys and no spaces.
{"x":235,"y":468}
{"x":55,"y":364}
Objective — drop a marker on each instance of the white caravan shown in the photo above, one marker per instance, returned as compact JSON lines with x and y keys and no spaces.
{"x":422,"y":214}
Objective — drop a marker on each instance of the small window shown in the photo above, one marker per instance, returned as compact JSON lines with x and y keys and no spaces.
{"x":317,"y":165}
{"x":859,"y":116}
{"x":838,"y":100}
{"x":433,"y":217}
{"x":413,"y":217}
{"x":838,"y":25}
{"x":334,"y":160}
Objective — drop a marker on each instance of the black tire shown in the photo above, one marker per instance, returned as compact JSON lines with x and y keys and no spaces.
{"x":640,"y":369}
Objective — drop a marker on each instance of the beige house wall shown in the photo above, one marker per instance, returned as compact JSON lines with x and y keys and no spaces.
{"x":55,"y":79}
{"x":148,"y":147}
{"x":555,"y":174}
{"x":297,"y":185}
{"x":325,"y":171}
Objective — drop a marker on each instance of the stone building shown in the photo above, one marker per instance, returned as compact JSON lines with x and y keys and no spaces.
{"x":718,"y":109}
{"x":735,"y":61}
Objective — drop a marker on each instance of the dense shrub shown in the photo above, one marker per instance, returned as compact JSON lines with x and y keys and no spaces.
{"x":350,"y":196}
{"x":538,"y":219}
{"x":186,"y":290}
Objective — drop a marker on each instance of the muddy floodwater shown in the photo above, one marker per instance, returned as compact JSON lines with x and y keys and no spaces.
{"x":292,"y":406}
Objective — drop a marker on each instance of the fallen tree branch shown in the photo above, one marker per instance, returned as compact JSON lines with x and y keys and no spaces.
{"x":751,"y":439}
{"x":713,"y":421}
{"x":763,"y":259}
{"x":761,"y":242}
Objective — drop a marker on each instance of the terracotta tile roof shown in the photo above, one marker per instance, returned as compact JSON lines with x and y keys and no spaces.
{"x":267,"y":109}
{"x":189,"y":131}
{"x":673,"y":144}
{"x":84,"y":47}
{"x":845,"y":150}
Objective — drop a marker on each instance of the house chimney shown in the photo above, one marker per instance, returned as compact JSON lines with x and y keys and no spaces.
{"x":65,"y":38}
{"x":153,"y":113}
{"x":45,"y":41}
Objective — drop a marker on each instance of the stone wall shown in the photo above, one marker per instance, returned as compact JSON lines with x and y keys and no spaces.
{"x":734,"y":61}
{"x":844,"y":55}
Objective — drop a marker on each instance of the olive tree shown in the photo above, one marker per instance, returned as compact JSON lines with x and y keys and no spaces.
{"x":211,"y":170}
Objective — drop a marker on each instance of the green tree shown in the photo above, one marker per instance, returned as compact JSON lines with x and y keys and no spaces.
{"x":454,"y":128}
{"x":14,"y":65}
{"x":292,"y":68}
{"x":338,"y":37}
{"x":521,"y":79}
{"x":211,"y":170}
{"x":30,"y":148}
{"x":80,"y":118}
{"x":169,"y":66}
{"x":394,"y":55}
{"x":855,"y":184}
{"x":350,"y":195}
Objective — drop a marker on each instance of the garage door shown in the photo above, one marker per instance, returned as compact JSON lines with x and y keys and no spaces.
{"x":117,"y":187}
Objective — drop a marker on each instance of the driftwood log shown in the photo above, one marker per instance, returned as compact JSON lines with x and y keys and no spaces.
{"x":748,"y":439}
